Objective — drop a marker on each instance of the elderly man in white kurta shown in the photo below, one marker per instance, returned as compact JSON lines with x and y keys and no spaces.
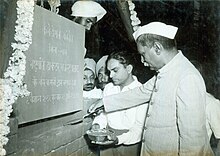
{"x":127,"y":124}
{"x":176,"y":120}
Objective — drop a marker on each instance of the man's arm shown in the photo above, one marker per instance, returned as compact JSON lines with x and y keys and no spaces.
{"x":134,"y":97}
{"x":128,"y":99}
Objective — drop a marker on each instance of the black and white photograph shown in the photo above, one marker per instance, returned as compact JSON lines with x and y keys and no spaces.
{"x":109,"y":78}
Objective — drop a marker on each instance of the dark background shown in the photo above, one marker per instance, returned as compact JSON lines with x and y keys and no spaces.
{"x":197,"y":36}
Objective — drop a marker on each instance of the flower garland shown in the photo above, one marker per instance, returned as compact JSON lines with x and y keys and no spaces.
{"x":12,"y":86}
{"x":134,"y":19}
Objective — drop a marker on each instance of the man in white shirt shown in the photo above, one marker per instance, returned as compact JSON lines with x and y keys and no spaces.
{"x":127,"y":124}
{"x":89,"y":78}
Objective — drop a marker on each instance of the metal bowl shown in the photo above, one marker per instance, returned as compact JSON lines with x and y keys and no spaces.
{"x":99,"y":135}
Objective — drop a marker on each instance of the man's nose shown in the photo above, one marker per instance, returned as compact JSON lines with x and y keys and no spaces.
{"x":146,"y":64}
{"x":88,"y":26}
{"x":142,"y":60}
{"x":100,"y":78}
{"x":105,"y":78}
{"x":111,"y":74}
{"x":88,"y":81}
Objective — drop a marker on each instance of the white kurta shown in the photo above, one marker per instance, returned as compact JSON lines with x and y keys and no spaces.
{"x":176,"y":122}
{"x":213,"y":115}
{"x":131,"y":119}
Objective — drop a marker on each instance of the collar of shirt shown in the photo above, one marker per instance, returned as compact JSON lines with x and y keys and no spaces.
{"x":131,"y":85}
{"x":110,"y":88}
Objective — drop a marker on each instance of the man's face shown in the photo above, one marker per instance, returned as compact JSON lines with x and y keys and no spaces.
{"x":103,"y":78}
{"x":148,"y":57}
{"x":118,"y":72}
{"x":88,"y":80}
{"x":87,"y":22}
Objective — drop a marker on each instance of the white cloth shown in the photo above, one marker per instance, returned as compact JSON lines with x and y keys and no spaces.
{"x":131,"y":119}
{"x":88,"y":8}
{"x":156,"y":28}
{"x":95,"y":93}
{"x":213,"y":115}
{"x":176,"y":122}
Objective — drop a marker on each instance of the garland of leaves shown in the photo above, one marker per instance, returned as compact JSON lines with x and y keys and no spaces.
{"x":134,"y":19}
{"x":12,"y":86}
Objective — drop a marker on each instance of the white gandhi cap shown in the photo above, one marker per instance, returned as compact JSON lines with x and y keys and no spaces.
{"x":89,"y":64}
{"x":87,"y":8}
{"x":101,"y":63}
{"x":156,"y":28}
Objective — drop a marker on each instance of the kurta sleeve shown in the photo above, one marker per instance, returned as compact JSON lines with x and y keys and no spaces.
{"x":128,"y":99}
{"x":191,"y":118}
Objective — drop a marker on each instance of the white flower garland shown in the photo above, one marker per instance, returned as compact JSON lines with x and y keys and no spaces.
{"x":134,"y":19}
{"x":12,"y":86}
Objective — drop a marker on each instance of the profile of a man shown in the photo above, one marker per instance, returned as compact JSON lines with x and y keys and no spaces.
{"x":175,"y":121}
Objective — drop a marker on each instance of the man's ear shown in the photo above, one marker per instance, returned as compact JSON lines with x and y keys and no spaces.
{"x":157,"y":47}
{"x":129,"y":68}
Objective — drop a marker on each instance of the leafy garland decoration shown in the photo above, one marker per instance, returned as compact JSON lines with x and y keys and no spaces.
{"x":135,"y":22}
{"x":12,"y":86}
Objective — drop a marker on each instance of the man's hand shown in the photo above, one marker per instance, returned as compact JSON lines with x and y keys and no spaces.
{"x":96,"y":105}
{"x":114,"y":138}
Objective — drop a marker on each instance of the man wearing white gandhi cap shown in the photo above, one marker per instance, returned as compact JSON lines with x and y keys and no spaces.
{"x":89,"y":89}
{"x":175,"y":121}
{"x":87,"y":13}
